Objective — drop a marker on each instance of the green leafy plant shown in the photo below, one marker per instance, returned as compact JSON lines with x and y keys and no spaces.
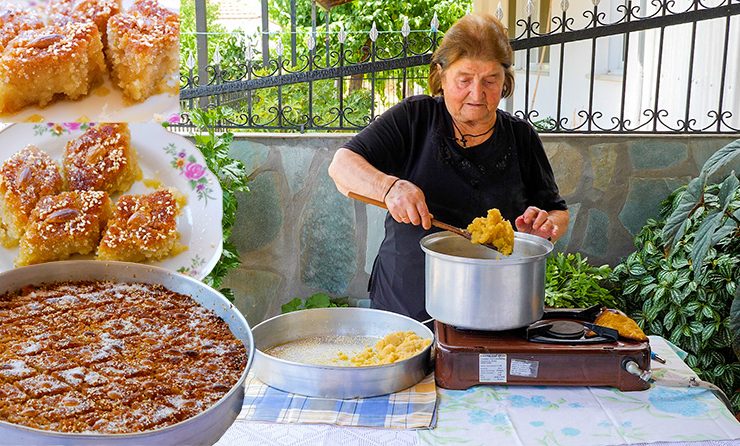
{"x":571,"y":282}
{"x":545,"y":124}
{"x":720,"y":219}
{"x":735,"y":322}
{"x":682,"y":280}
{"x":233,"y":177}
{"x":318,"y":300}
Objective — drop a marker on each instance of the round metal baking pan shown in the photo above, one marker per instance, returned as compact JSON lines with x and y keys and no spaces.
{"x":206,"y":427}
{"x":335,"y":381}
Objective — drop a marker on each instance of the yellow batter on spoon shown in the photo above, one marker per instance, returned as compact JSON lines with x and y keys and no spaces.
{"x":493,"y":230}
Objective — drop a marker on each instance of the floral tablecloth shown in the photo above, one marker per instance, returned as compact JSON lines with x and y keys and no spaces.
{"x":529,"y":415}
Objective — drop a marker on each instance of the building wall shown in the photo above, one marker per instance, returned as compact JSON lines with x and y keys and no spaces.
{"x":297,"y":235}
{"x":657,"y":72}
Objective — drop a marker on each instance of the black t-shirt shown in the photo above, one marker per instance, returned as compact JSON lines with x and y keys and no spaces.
{"x":414,"y":141}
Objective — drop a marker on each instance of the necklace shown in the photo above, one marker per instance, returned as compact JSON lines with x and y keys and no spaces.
{"x":463,"y":135}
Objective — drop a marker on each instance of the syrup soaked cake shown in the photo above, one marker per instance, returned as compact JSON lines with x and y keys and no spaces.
{"x":111,"y":357}
{"x":102,"y":159}
{"x":61,"y":12}
{"x":25,"y":178}
{"x":56,"y":60}
{"x":64,"y":224}
{"x":143,"y":49}
{"x":143,"y":227}
{"x":14,"y":20}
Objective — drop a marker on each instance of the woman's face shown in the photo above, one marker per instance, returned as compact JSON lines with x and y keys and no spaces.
{"x":472,"y":90}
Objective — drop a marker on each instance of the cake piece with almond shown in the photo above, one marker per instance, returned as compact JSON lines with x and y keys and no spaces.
{"x":39,"y":64}
{"x":25,"y":177}
{"x":14,"y":20}
{"x":63,"y":225}
{"x":102,"y":159}
{"x":143,"y":227}
{"x":143,"y":49}
{"x":61,"y":12}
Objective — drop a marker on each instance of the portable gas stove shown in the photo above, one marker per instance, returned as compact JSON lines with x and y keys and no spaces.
{"x":564,"y":348}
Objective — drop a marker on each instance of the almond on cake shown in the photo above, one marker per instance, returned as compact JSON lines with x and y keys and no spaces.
{"x":143,"y":227}
{"x":102,"y":159}
{"x":64,"y":224}
{"x":25,"y":177}
{"x":143,"y":49}
{"x":39,"y":64}
{"x":14,"y":20}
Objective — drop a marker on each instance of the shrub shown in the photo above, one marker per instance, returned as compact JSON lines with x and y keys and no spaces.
{"x":571,"y":282}
{"x":681,"y":281}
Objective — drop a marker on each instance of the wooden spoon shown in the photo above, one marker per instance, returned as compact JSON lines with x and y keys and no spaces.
{"x":435,"y":223}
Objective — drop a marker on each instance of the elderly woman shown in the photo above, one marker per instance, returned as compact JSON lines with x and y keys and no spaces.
{"x":453,"y":155}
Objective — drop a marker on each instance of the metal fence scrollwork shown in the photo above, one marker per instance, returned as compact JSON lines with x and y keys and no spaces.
{"x":667,"y":66}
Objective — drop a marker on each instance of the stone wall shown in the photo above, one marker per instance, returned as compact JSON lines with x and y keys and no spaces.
{"x":297,"y":235}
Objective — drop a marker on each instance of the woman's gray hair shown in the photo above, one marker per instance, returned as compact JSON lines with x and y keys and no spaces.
{"x":475,"y":36}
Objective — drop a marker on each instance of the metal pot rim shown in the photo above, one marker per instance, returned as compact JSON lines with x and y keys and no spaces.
{"x":74,"y":264}
{"x":503,"y":260}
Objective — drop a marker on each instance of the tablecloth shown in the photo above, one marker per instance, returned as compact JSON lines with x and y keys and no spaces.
{"x":411,"y":408}
{"x":538,"y":415}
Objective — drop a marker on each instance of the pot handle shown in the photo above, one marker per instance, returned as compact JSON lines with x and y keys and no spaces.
{"x":367,"y":200}
{"x":435,"y":223}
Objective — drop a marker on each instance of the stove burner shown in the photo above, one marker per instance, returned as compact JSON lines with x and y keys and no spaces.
{"x":565,"y":331}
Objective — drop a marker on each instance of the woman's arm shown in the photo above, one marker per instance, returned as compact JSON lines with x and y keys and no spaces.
{"x":352,"y":173}
{"x":405,"y":201}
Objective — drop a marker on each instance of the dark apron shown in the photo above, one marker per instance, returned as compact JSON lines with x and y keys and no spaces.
{"x":458,"y":187}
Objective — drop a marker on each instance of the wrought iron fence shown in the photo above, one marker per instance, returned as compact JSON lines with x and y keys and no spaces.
{"x":671,"y":66}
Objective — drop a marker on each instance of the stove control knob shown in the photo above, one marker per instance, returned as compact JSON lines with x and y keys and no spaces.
{"x":633,"y":368}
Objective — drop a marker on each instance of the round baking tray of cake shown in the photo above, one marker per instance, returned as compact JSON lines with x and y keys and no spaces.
{"x":205,"y":427}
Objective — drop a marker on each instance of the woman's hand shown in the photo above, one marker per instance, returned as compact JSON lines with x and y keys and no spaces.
{"x":406,"y":204}
{"x":537,"y":222}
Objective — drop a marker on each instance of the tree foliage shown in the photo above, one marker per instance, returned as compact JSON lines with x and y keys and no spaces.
{"x":358,"y":16}
{"x":262,"y":107}
{"x":187,"y":30}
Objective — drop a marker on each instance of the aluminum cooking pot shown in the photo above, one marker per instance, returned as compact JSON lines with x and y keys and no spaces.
{"x":473,"y":287}
{"x":206,"y":427}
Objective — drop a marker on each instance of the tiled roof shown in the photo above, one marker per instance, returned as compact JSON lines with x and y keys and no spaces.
{"x":241,"y":14}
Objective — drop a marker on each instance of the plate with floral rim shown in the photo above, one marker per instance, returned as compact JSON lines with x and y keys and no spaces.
{"x":166,"y":160}
{"x":104,"y":103}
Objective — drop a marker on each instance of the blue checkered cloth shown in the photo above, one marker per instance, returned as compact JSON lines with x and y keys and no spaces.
{"x":412,"y":408}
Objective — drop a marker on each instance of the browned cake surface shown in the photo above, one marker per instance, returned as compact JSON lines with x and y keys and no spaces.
{"x":111,"y":358}
{"x":143,"y":49}
{"x":61,"y":12}
{"x":101,"y":159}
{"x":64,"y":224}
{"x":24,"y":178}
{"x":56,"y":60}
{"x":14,"y":20}
{"x":143,"y":227}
